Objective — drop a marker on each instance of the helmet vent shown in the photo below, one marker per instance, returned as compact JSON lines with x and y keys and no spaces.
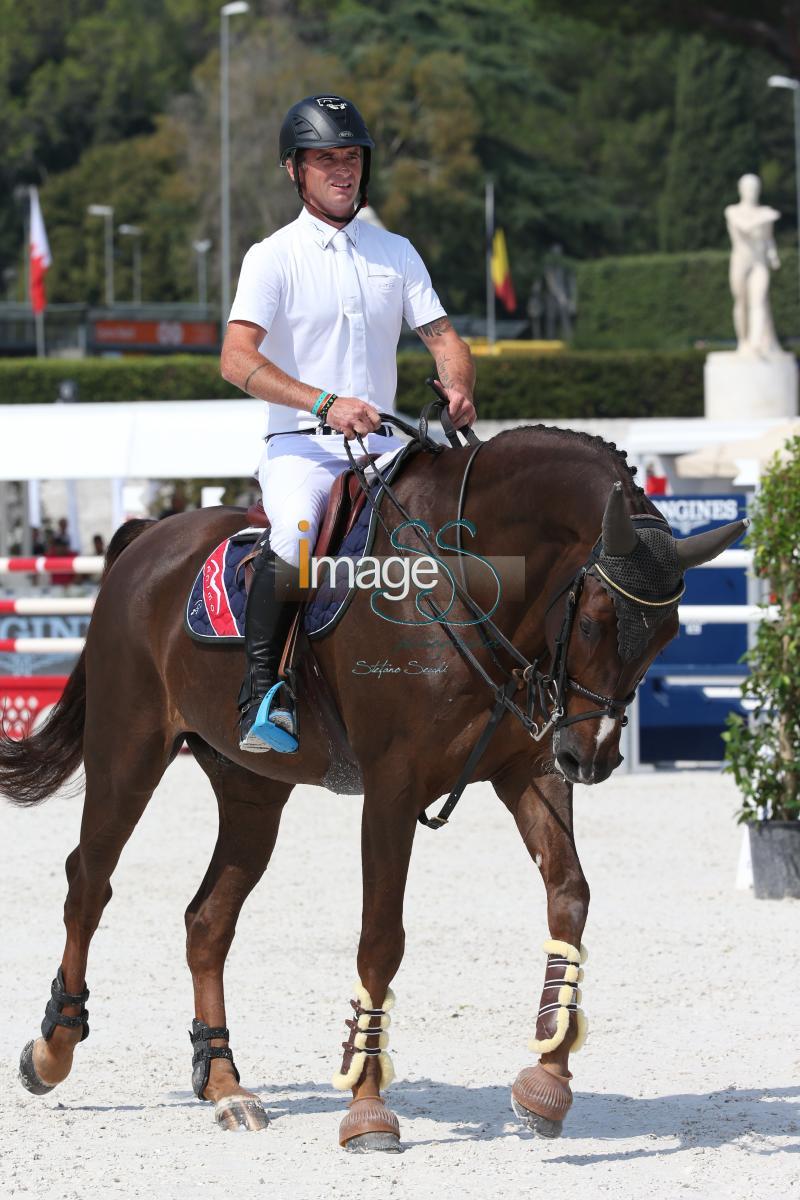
{"x":304,"y":128}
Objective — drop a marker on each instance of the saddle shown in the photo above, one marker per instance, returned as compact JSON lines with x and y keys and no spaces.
{"x":345,"y":503}
{"x":216,"y":605}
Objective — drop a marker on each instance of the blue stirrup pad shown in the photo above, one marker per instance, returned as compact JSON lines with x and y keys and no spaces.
{"x":275,"y":737}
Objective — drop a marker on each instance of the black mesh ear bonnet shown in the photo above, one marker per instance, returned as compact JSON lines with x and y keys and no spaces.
{"x":645,"y":586}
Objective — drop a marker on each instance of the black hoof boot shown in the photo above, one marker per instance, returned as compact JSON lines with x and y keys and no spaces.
{"x":27,"y":1074}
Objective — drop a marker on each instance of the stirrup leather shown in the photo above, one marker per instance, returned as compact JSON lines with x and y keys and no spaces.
{"x":200,"y":1035}
{"x":53,"y":1014}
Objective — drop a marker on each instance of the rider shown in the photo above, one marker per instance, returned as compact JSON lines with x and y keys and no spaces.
{"x":313,"y":331}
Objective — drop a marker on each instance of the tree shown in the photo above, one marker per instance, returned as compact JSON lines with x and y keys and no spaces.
{"x":763,"y":754}
{"x":770,"y":25}
{"x":712,"y":144}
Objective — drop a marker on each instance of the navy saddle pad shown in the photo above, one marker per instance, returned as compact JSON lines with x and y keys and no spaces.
{"x":216,"y":604}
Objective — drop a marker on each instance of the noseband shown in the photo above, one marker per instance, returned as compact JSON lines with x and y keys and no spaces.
{"x":548,"y":692}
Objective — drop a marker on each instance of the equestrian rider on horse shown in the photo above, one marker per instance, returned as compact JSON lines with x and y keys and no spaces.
{"x":313,"y":331}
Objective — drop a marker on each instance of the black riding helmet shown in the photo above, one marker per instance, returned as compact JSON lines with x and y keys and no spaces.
{"x":320,"y":122}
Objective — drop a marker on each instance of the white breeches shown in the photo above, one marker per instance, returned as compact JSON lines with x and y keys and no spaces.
{"x":296,"y":473}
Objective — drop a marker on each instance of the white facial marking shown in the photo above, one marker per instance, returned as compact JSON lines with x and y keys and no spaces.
{"x":538,"y":861}
{"x":605,"y":727}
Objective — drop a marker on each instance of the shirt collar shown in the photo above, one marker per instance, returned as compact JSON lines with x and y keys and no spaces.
{"x":322,"y":233}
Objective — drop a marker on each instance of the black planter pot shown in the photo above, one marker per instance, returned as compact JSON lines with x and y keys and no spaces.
{"x":775,"y":852}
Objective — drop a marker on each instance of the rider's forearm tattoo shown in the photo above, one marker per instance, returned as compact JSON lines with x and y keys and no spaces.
{"x":434,"y":328}
{"x":443,"y":369}
{"x":252,"y":373}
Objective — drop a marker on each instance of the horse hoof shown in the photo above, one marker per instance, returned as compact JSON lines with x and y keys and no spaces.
{"x":538,"y":1125}
{"x":240,"y":1112}
{"x":541,"y":1100}
{"x":365,"y":1143}
{"x":369,"y":1125}
{"x":27,"y":1074}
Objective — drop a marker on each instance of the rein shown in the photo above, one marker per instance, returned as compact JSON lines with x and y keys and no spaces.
{"x":545,"y":691}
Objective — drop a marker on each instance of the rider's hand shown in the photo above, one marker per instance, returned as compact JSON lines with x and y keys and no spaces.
{"x":460,"y":408}
{"x":351,"y":416}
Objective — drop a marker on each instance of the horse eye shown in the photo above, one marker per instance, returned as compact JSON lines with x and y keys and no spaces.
{"x":585,"y":626}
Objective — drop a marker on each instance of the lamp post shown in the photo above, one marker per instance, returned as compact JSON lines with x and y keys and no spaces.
{"x":783,"y":81}
{"x":491,"y":317}
{"x":135,"y":232}
{"x":228,"y":10}
{"x":107,"y":212}
{"x":201,"y":249}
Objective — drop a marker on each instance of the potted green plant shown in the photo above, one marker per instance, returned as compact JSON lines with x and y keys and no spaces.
{"x":763,"y":751}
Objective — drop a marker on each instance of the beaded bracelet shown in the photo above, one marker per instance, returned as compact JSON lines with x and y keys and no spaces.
{"x":319,"y":400}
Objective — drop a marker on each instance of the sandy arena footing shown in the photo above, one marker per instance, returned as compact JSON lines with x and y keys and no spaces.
{"x":689,"y":1083}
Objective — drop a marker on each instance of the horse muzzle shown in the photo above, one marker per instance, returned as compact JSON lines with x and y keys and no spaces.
{"x":588,"y":760}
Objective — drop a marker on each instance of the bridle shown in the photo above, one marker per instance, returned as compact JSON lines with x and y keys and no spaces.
{"x":546,"y":691}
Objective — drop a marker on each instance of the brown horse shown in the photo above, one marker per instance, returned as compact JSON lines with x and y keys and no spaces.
{"x":598,"y":615}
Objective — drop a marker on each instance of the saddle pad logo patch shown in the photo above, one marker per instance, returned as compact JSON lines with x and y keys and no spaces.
{"x":216,"y":604}
{"x":216,"y":600}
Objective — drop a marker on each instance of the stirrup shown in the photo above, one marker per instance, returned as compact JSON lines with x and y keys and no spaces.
{"x":270,"y":727}
{"x":53,"y":1015}
{"x":200,"y":1036}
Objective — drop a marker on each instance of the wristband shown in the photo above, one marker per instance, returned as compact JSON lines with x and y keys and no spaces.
{"x":321,"y":398}
{"x":327,"y":405}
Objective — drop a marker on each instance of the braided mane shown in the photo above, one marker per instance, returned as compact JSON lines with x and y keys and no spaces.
{"x":597,"y":445}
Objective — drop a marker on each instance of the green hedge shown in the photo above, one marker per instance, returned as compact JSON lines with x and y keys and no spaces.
{"x":577,"y":385}
{"x":671,"y":301}
{"x":172,"y":377}
{"x":544,"y":386}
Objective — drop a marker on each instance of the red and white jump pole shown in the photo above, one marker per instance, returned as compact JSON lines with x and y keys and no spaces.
{"x":37,"y":606}
{"x":75,"y":564}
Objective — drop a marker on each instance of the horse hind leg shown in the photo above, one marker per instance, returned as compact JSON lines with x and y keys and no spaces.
{"x":250,"y":809}
{"x":121,"y":776}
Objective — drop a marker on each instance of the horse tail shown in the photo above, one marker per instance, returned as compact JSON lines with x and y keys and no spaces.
{"x":34,"y":768}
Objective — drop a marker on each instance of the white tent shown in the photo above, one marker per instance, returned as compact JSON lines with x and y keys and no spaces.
{"x":146,"y":440}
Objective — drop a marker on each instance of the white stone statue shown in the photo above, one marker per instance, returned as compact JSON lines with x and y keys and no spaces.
{"x":753,"y":253}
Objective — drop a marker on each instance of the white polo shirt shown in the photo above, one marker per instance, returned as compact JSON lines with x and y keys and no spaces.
{"x":332,"y":302}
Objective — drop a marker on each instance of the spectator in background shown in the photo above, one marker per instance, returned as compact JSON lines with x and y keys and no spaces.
{"x":61,"y":539}
{"x":60,"y":547}
{"x":98,"y":548}
{"x":177,"y":504}
{"x":655,"y":484}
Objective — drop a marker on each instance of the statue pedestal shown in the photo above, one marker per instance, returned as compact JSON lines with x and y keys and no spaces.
{"x":738,"y":385}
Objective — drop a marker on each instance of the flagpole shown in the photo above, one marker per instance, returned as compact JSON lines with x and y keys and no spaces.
{"x":39,"y":323}
{"x":491,"y":327}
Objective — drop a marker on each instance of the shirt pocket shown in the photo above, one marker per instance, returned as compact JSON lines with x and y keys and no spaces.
{"x":384,"y":282}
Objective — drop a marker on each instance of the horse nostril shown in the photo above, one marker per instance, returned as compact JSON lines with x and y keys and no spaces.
{"x":569,"y":765}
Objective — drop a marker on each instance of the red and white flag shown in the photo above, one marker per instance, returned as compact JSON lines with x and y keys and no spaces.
{"x":40,"y":254}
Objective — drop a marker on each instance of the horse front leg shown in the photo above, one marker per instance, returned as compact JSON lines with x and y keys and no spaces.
{"x":542,"y":809}
{"x":387,"y":835}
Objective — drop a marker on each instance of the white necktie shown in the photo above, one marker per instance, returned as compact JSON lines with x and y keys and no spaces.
{"x":353,"y":308}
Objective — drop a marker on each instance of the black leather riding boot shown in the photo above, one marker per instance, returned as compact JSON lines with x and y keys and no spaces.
{"x":268,"y":616}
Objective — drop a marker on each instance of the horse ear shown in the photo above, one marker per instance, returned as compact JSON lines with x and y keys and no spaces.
{"x":702,"y":547}
{"x":619,"y":535}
